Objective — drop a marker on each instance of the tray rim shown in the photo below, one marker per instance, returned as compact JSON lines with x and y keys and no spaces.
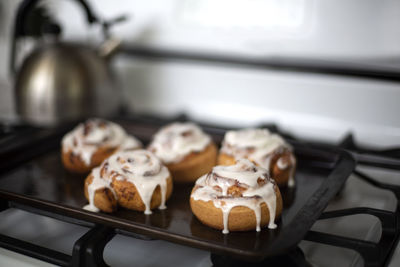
{"x":330,"y":186}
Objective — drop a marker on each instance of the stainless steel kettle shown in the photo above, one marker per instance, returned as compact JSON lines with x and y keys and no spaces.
{"x":60,"y":81}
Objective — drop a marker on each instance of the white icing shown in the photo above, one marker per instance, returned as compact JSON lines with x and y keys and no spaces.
{"x":292,"y":182}
{"x":175,"y":141}
{"x":254,"y":138}
{"x":139,"y":167}
{"x":214,"y":187}
{"x":97,"y":183}
{"x":257,"y":145}
{"x":130,"y":143}
{"x":282,"y":164}
{"x":87,"y":137}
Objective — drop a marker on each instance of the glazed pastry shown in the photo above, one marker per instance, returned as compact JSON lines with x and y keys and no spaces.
{"x":239,"y":197}
{"x":91,"y":142}
{"x":265,"y":149}
{"x":135,"y":180}
{"x":185,"y":149}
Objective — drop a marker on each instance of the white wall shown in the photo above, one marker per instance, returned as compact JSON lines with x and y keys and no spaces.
{"x":310,"y":105}
{"x":305,"y":28}
{"x":315,"y":106}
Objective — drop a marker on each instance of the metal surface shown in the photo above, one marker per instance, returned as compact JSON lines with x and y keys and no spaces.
{"x":20,"y":28}
{"x":294,"y":258}
{"x":14,"y":141}
{"x":303,"y":65}
{"x":374,"y":254}
{"x":34,"y":251}
{"x":62,"y":82}
{"x":319,"y":178}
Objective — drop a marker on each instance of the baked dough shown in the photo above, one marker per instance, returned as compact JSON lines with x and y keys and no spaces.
{"x":86,"y":146}
{"x":267,"y":150}
{"x":194,"y":165}
{"x":240,"y":197}
{"x":186,"y":150}
{"x":135,"y":180}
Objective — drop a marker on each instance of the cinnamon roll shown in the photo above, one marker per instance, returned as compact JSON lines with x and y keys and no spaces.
{"x":185,"y":149}
{"x":239,"y":197}
{"x":91,"y":142}
{"x":265,"y":149}
{"x":135,"y":180}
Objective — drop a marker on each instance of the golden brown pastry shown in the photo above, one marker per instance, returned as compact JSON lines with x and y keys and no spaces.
{"x":91,"y":142}
{"x":239,"y":197}
{"x":186,"y":151}
{"x":135,"y":180}
{"x":267,"y":150}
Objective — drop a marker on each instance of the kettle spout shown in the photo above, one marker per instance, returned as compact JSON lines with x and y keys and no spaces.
{"x":109,"y":48}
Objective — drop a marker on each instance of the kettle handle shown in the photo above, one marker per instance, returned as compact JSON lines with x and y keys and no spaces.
{"x":20,"y":20}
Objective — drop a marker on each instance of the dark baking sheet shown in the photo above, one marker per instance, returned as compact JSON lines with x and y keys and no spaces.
{"x":42,"y":184}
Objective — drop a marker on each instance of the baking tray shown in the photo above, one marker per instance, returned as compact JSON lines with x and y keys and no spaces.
{"x":41,"y":184}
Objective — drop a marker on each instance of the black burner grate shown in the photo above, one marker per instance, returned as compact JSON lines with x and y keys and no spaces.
{"x":374,"y":254}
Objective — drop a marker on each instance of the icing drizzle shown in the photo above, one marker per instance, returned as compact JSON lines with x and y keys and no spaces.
{"x":97,"y":183}
{"x":253,"y":186}
{"x":139,"y":167}
{"x":175,"y":141}
{"x":259,"y":146}
{"x":87,"y":137}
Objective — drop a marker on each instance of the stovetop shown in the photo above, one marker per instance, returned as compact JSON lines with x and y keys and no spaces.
{"x":349,"y":233}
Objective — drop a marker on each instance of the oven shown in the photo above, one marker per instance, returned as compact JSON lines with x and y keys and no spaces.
{"x":324,"y":75}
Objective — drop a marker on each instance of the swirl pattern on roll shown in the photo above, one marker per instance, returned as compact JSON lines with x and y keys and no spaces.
{"x":259,"y":146}
{"x":139,"y":167}
{"x":85,"y":139}
{"x":242,"y":184}
{"x":177,"y":140}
